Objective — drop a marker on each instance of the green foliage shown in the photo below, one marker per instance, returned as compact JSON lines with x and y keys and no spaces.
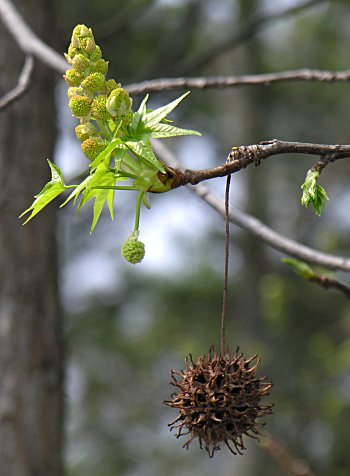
{"x":300,"y":268}
{"x":313,"y":193}
{"x":115,"y":139}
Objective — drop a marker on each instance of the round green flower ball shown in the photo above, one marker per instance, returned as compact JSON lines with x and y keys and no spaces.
{"x":133,"y":251}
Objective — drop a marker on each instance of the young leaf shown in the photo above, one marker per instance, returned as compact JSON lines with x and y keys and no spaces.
{"x":51,"y":190}
{"x":155,"y":117}
{"x":313,"y":193}
{"x":143,"y":150}
{"x":300,"y":268}
{"x":103,"y":177}
{"x":162,"y":131}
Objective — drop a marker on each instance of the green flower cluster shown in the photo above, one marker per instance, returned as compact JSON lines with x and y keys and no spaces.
{"x":115,"y":139}
{"x":91,"y":96}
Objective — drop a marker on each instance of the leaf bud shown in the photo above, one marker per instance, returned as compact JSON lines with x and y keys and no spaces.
{"x":93,"y":147}
{"x":94,"y":82}
{"x":119,"y":102}
{"x":133,"y":250}
{"x":80,"y":105}
{"x":85,"y":131}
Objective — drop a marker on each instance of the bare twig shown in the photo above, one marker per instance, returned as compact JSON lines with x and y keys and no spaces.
{"x":256,"y":227}
{"x":240,"y":157}
{"x":288,"y":462}
{"x":327,"y":282}
{"x":27,"y":40}
{"x":22,"y":84}
{"x":220,"y":82}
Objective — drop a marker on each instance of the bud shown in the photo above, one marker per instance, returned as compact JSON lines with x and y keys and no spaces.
{"x":93,"y":147}
{"x":133,"y":250}
{"x":75,"y":43}
{"x":80,"y":106}
{"x":75,"y":91}
{"x":99,"y":66}
{"x":85,"y":131}
{"x":96,"y":54}
{"x":119,"y":102}
{"x":80,"y":63}
{"x":98,"y":108}
{"x":73,"y":77}
{"x":112,"y":84}
{"x":94,"y":82}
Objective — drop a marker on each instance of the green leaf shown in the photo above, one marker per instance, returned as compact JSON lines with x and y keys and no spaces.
{"x":313,"y":193}
{"x":143,"y":150}
{"x":51,"y":190}
{"x":300,"y":268}
{"x":155,"y":117}
{"x":162,"y":131}
{"x":103,"y":177}
{"x":105,"y":154}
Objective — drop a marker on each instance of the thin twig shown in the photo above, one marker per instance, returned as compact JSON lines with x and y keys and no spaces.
{"x":227,"y":256}
{"x":220,"y":82}
{"x":286,"y":460}
{"x":27,"y":40}
{"x":327,"y":282}
{"x":22,"y":84}
{"x":256,"y":227}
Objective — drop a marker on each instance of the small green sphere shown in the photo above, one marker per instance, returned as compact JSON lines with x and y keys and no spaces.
{"x":94,"y":82}
{"x":93,"y":147}
{"x":133,"y":251}
{"x":85,"y":131}
{"x":80,"y":106}
{"x":73,"y":77}
{"x":98,"y":108}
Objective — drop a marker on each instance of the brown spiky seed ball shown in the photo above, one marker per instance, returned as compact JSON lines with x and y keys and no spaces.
{"x":219,"y":400}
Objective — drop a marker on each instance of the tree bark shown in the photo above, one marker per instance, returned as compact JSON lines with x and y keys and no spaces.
{"x":31,"y":344}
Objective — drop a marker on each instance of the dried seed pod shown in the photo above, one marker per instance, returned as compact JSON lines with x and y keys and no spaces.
{"x":219,"y":400}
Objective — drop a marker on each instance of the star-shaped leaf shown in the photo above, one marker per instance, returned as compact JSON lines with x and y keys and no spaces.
{"x":51,"y":190}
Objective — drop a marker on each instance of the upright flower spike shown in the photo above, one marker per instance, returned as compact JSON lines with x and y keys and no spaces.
{"x":219,"y":401}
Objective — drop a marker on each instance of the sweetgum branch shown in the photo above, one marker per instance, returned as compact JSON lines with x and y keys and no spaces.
{"x":220,"y":82}
{"x":22,"y":86}
{"x":251,"y":224}
{"x":240,"y":157}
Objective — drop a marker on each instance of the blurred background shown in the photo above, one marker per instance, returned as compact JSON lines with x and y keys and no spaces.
{"x":126,"y":327}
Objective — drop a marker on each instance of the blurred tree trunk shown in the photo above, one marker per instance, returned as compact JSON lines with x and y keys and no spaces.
{"x":31,"y":345}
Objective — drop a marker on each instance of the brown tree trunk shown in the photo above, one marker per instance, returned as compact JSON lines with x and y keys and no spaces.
{"x":31,"y":344}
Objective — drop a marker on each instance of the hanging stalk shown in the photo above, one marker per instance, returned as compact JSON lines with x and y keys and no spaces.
{"x":225,"y":288}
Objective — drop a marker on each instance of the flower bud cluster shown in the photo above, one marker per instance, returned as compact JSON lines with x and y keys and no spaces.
{"x":92,"y":97}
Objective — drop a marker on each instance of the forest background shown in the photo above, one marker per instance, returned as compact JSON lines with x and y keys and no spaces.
{"x":125,"y":327}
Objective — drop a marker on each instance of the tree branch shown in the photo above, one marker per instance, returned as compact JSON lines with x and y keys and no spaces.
{"x":27,"y":40}
{"x":240,"y":157}
{"x":22,"y":84}
{"x":220,"y":82}
{"x":256,"y":227}
{"x":326,"y":282}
